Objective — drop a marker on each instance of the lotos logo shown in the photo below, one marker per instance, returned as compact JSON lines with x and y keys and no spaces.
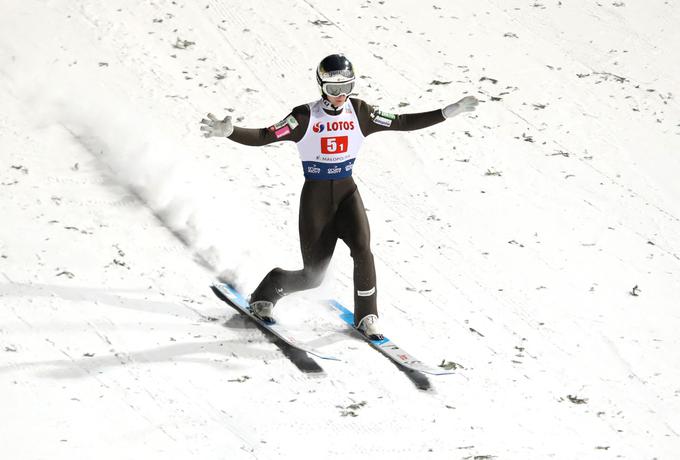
{"x":333,"y":126}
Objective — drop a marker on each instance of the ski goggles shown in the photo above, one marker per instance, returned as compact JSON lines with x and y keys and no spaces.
{"x":338,"y":89}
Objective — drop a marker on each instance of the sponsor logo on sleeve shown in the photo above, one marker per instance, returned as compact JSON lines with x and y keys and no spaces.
{"x":389,"y":116}
{"x":292,"y":122}
{"x":278,"y":125}
{"x":279,"y":133}
{"x":382,"y":118}
{"x":284,"y":127}
{"x":382,"y":121}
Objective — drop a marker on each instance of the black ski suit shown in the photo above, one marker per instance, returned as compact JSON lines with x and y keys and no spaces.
{"x":330,"y":209}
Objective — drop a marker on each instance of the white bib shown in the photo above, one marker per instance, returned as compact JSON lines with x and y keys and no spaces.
{"x":331,"y":143}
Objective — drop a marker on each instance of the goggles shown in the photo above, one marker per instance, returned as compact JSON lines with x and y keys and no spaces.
{"x":338,"y":89}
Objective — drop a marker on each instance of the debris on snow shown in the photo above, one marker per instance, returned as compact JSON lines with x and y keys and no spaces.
{"x":351,"y":409}
{"x":450,"y":365}
{"x":183,"y":44}
{"x":577,"y":400}
{"x":321,"y":22}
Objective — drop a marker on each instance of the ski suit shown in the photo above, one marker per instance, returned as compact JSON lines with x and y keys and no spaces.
{"x":328,"y":140}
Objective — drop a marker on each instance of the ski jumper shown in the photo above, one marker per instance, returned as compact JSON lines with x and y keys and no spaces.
{"x":328,"y":142}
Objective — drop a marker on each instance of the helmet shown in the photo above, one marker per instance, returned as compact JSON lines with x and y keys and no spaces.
{"x":335,"y":75}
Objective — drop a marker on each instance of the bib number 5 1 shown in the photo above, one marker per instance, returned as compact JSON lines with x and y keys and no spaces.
{"x":332,"y":145}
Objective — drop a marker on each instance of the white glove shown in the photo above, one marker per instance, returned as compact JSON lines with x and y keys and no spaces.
{"x":213,"y":127}
{"x":467,"y":104}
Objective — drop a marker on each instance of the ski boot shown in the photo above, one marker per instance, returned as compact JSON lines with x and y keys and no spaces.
{"x":262,"y":309}
{"x":369,"y":327}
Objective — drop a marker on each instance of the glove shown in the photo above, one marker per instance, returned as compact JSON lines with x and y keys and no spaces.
{"x":212,"y":127}
{"x":467,"y":104}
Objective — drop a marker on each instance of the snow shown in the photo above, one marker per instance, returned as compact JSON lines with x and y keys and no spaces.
{"x":535,"y":242}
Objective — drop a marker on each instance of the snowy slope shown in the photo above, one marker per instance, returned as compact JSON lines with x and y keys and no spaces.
{"x":510,"y":241}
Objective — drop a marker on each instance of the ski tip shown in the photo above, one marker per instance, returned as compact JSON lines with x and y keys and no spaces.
{"x":217,"y":291}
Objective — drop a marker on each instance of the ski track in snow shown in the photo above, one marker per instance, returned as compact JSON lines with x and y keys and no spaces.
{"x":535,"y":242}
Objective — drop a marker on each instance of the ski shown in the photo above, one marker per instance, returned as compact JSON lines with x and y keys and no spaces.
{"x":387,"y":347}
{"x":236,"y":300}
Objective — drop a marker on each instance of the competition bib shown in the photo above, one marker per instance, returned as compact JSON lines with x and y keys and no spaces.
{"x":331,"y":143}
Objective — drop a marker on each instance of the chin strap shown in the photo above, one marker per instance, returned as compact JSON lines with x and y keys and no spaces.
{"x":328,"y":106}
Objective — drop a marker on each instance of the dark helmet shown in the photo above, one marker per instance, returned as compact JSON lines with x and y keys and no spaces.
{"x":335,"y":75}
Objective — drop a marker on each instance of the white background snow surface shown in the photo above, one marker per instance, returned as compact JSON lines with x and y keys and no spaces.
{"x":510,"y":241}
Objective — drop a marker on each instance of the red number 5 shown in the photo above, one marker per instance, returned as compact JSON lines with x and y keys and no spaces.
{"x":332,"y":145}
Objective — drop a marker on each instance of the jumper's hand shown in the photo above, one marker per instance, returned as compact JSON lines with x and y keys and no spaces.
{"x":212,"y":127}
{"x":467,"y":104}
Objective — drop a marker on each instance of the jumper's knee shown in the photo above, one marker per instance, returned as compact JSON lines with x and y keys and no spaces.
{"x":313,"y":277}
